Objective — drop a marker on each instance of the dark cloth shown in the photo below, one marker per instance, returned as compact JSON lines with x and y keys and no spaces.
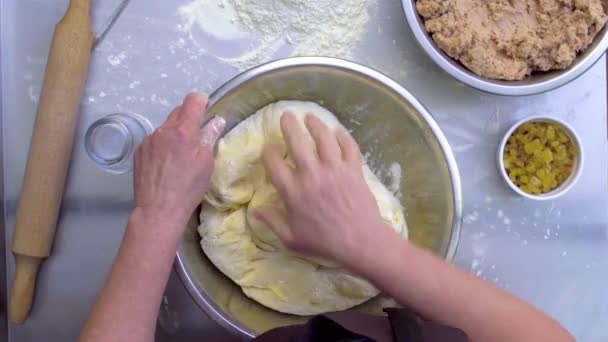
{"x":318,"y":329}
{"x":408,"y":327}
{"x":400,"y":325}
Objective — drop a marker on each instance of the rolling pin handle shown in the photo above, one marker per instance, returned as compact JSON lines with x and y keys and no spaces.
{"x":22,"y":295}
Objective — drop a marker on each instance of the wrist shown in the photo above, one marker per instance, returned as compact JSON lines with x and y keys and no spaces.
{"x":162,"y":214}
{"x":150,"y":241}
{"x":374,"y":250}
{"x":161,"y":223}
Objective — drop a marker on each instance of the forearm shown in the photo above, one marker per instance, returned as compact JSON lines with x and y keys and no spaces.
{"x":127,"y":307}
{"x":443,"y":293}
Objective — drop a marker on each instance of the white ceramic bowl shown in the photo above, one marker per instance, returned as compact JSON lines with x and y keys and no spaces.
{"x":536,"y":83}
{"x":576,"y":170}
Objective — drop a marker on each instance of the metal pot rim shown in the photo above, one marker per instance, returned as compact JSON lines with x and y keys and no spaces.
{"x":202,"y":300}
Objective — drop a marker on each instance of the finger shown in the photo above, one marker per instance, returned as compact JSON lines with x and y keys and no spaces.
{"x":194,"y":107}
{"x":137,"y":158}
{"x":211,"y":132}
{"x":327,"y":146}
{"x":137,"y":163}
{"x":174,"y":115}
{"x":348,"y":145}
{"x":277,"y":169}
{"x":276,"y":221}
{"x":297,"y":142}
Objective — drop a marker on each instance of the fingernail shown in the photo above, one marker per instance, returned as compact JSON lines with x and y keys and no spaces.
{"x":218,"y":124}
{"x":211,"y":132}
{"x":197,"y":97}
{"x":202,"y":97}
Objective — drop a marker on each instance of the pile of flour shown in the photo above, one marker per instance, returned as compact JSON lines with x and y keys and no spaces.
{"x":312,"y":27}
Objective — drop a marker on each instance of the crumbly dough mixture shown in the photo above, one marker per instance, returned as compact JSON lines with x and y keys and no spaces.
{"x":247,"y":251}
{"x":510,"y":39}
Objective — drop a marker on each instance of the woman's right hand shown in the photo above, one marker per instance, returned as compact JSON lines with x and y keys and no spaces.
{"x":330,"y":211}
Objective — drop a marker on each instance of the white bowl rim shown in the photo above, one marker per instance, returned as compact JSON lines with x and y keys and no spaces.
{"x":563,"y":188}
{"x":583,"y":62}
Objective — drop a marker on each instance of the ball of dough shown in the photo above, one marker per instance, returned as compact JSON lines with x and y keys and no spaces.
{"x":247,"y":251}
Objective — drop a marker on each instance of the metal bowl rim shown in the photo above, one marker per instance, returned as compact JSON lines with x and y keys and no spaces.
{"x":445,"y":62}
{"x":206,"y":303}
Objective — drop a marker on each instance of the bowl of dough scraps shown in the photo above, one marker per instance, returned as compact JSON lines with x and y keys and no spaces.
{"x":236,"y":269}
{"x":511,"y":47}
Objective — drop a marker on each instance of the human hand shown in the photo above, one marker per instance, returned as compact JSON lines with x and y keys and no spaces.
{"x":330,"y":210}
{"x":173,"y":165}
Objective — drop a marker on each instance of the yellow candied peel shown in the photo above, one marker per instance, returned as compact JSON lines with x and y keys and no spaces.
{"x":539,"y":157}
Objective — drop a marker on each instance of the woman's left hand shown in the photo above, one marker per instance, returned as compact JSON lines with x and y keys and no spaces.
{"x":173,"y":165}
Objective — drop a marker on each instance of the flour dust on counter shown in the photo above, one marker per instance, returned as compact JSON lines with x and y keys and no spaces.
{"x":281,"y":27}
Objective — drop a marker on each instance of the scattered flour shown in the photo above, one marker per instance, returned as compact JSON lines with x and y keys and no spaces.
{"x":116,"y":60}
{"x":33,"y":93}
{"x":462,"y":148}
{"x":493,"y":123}
{"x":215,"y":17}
{"x":395,"y":178}
{"x":471,"y":217}
{"x":390,"y":174}
{"x":308,"y":27}
{"x":134,"y":84}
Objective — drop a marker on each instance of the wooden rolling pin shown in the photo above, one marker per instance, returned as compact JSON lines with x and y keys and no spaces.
{"x":49,"y":154}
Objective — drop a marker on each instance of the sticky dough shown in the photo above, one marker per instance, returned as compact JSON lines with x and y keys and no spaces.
{"x":247,"y":251}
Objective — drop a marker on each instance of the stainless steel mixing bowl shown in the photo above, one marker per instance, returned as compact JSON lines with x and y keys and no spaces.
{"x":536,"y":83}
{"x":390,"y":125}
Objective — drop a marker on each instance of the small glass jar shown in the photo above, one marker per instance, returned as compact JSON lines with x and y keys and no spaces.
{"x":111,"y":141}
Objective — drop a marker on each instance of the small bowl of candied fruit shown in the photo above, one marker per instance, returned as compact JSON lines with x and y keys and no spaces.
{"x":540,"y":158}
